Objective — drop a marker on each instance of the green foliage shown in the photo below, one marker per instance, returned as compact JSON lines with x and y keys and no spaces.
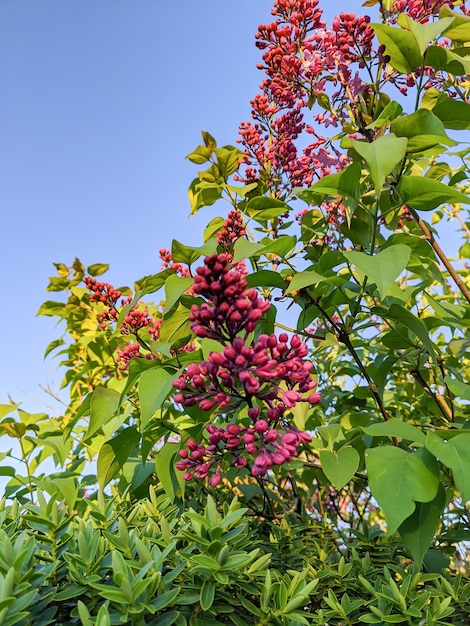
{"x":115,"y":562}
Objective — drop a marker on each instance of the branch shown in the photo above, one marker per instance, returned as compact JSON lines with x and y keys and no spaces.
{"x":429,"y":237}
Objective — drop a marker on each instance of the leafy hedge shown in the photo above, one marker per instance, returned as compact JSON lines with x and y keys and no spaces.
{"x":145,"y":563}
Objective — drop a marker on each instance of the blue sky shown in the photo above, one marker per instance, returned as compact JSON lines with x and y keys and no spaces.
{"x":100,"y":102}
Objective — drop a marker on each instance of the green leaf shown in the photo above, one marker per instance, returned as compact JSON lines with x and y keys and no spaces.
{"x":394,"y":427}
{"x":402,"y":315}
{"x":423,"y":129}
{"x":153,"y":282}
{"x":200,"y":155}
{"x":459,"y":29}
{"x":419,"y":530}
{"x":426,"y":194}
{"x":97,"y":269}
{"x":245,"y":249}
{"x":104,"y":404}
{"x":262,"y":208}
{"x":442,"y":59}
{"x":424,"y":33}
{"x":228,"y":159}
{"x":458,"y":388}
{"x":175,"y":286}
{"x":401,"y":46}
{"x":170,"y":478}
{"x":398,"y":479}
{"x":188,"y":254}
{"x":265,"y":278}
{"x":304,"y":279}
{"x":345,"y":184}
{"x":175,"y":324}
{"x":453,"y":114}
{"x":339,"y":467}
{"x":114,"y":453}
{"x":382,"y":155}
{"x":454,"y":453}
{"x":154,"y":387}
{"x":5,"y":409}
{"x":384,"y":268}
{"x":200,"y":197}
{"x":390,"y":112}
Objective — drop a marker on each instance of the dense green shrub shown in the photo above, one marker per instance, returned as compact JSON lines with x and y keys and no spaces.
{"x":149,"y":563}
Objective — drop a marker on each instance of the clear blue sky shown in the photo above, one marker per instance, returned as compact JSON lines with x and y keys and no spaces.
{"x":100,"y":102}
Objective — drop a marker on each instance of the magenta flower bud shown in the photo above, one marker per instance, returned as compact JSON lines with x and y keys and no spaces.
{"x":261,"y":426}
{"x":206,"y":404}
{"x":181,"y":465}
{"x":271,"y":436}
{"x":239,"y":461}
{"x":203,"y":470}
{"x":233,"y":429}
{"x":214,"y":480}
{"x":251,"y":448}
{"x":314,"y":398}
{"x":253,"y":413}
{"x":233,"y":443}
{"x":290,"y":438}
{"x":216,"y":358}
{"x":183,"y":454}
{"x":278,"y":458}
{"x":187,"y":476}
{"x":290,"y":398}
{"x":256,"y":470}
{"x":192,"y":444}
{"x":198,"y":454}
{"x":248,"y":437}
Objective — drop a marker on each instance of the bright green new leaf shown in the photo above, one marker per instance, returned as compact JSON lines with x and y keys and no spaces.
{"x":454,"y":453}
{"x":459,"y":29}
{"x":426,"y":194}
{"x":424,"y":33}
{"x":203,"y":196}
{"x":104,"y":404}
{"x":304,"y":279}
{"x":384,"y":268}
{"x":5,"y":409}
{"x":114,"y":453}
{"x":394,"y":427}
{"x":401,"y":46}
{"x":154,"y":387}
{"x":419,"y":530}
{"x":382,"y":155}
{"x":228,"y":159}
{"x":398,"y":479}
{"x":339,"y":467}
{"x":175,"y":286}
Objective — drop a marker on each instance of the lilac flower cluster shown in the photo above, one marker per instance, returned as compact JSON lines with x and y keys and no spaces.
{"x":267,"y":375}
